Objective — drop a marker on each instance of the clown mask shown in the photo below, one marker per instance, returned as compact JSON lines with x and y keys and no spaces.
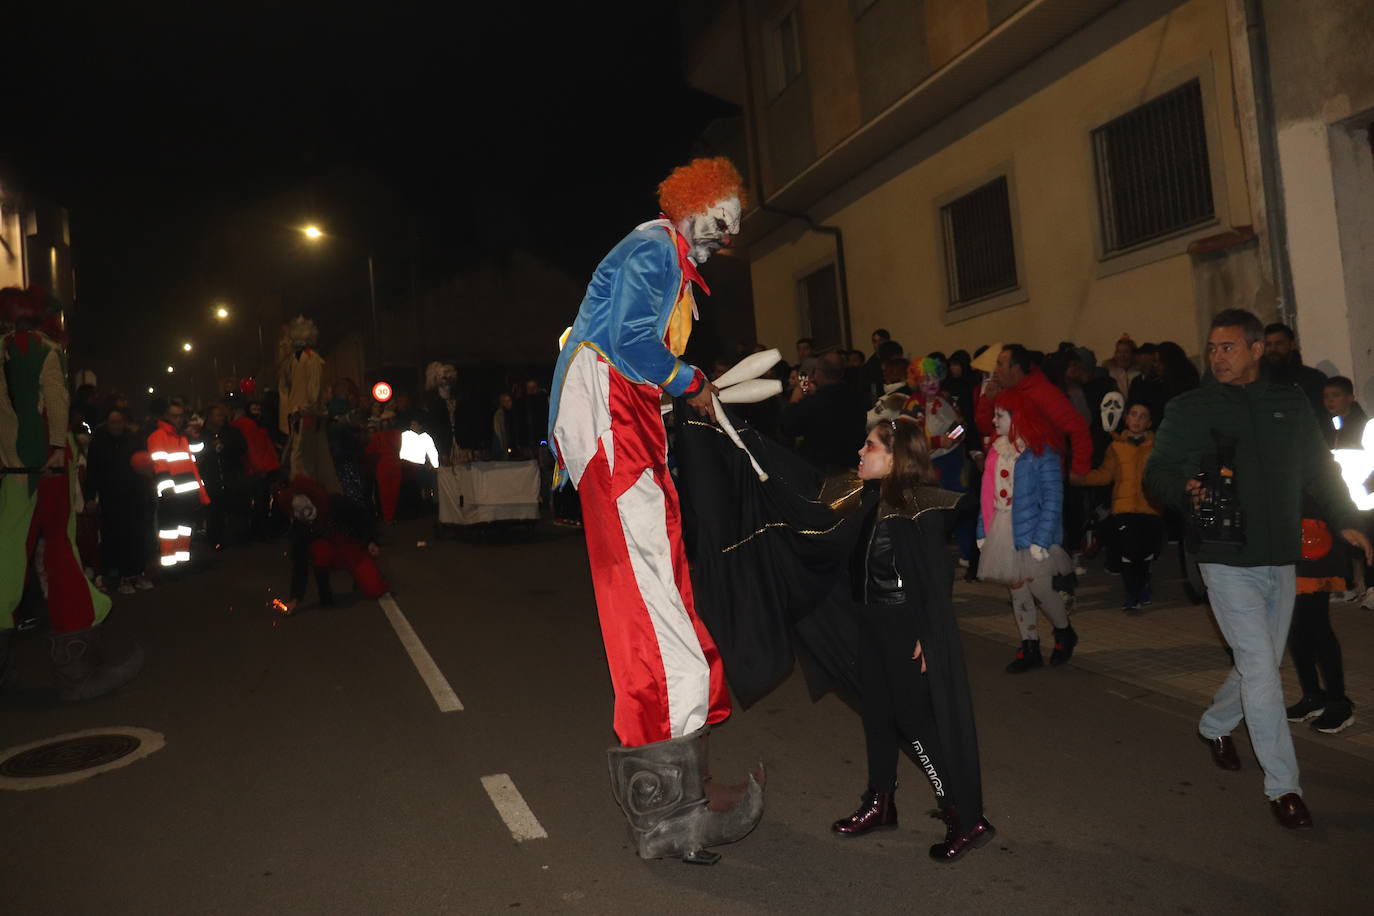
{"x":709,"y":232}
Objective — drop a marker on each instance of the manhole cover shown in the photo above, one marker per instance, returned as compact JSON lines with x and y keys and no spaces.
{"x":75,"y":756}
{"x":69,"y":756}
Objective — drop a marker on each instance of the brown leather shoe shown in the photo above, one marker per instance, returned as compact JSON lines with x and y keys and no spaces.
{"x":1223,"y":752}
{"x":1290,"y":811}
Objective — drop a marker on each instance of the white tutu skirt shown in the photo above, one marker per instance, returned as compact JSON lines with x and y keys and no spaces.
{"x":1000,"y":561}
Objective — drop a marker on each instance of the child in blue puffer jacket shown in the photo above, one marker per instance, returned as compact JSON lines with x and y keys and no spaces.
{"x":1020,"y":526}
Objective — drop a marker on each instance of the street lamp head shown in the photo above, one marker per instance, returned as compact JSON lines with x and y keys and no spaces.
{"x":186,"y":346}
{"x":150,"y":389}
{"x":221,"y":313}
{"x":170,"y":370}
{"x":313,"y":232}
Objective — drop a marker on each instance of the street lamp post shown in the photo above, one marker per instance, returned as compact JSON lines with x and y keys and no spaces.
{"x":315,"y":233}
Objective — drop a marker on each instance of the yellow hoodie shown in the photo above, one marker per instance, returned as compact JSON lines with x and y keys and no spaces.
{"x":1124,"y":468}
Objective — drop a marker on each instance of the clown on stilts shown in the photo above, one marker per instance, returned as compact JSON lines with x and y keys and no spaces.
{"x":37,"y":528}
{"x":606,"y":430}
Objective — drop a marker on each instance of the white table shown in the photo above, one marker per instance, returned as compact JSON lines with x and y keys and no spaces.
{"x":488,"y":491}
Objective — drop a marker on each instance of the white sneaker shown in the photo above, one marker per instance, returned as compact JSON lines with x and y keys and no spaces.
{"x":126,"y":587}
{"x":1368,"y":602}
{"x":963,"y":564}
{"x":1346,"y":597}
{"x":143,"y":583}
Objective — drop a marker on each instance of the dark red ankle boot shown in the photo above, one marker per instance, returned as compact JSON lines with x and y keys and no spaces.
{"x":956,"y":845}
{"x":877,"y":811}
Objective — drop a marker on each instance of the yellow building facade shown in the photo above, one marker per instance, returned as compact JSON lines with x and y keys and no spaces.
{"x":1020,"y":92}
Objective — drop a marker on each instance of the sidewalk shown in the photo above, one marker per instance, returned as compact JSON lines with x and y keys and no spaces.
{"x":1173,"y":648}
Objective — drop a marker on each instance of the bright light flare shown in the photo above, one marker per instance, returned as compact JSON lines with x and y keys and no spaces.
{"x":313,"y":232}
{"x":221,"y":313}
{"x":418,"y":448}
{"x":1356,"y":466}
{"x":187,"y":346}
{"x":150,"y":389}
{"x":170,"y":370}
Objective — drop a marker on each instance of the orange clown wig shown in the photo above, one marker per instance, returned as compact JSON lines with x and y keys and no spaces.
{"x":694,"y":187}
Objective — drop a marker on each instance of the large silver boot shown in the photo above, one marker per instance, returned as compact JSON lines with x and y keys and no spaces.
{"x":674,"y":808}
{"x":83,"y":672}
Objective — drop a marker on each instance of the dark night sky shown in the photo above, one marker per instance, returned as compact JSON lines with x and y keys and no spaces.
{"x":188,"y":141}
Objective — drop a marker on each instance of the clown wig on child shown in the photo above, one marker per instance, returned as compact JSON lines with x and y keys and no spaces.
{"x":695,"y":187}
{"x":926,"y":369}
{"x":1030,"y":428}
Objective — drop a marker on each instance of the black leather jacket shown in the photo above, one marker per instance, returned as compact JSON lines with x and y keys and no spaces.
{"x":874,"y":566}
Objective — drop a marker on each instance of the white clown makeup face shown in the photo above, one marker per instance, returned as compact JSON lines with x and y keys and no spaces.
{"x":1001,"y":421}
{"x":302,"y":508}
{"x":709,"y":232}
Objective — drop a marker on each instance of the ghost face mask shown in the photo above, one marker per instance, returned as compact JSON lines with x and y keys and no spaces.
{"x":302,"y":508}
{"x":1113,"y":406}
{"x":709,"y":232}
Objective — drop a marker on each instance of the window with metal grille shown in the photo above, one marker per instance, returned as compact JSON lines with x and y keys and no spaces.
{"x":980,"y":251}
{"x":1153,"y":177}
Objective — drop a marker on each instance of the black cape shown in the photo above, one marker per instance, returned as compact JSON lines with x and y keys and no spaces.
{"x":769,"y":560}
{"x":920,"y":530}
{"x":771,"y":577}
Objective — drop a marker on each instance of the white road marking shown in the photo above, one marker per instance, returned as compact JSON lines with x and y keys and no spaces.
{"x":434,"y":679}
{"x":510,"y":804}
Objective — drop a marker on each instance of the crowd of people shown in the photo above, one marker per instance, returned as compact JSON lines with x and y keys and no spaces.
{"x":1069,"y":458}
{"x":228,"y":464}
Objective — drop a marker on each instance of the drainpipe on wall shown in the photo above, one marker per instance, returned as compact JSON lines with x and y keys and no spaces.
{"x":1270,"y":176}
{"x":756,"y":179}
{"x":841,"y":277}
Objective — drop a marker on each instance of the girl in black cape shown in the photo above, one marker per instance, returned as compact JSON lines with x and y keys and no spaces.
{"x":914,"y":692}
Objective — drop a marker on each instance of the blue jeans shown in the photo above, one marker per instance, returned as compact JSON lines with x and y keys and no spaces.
{"x":1253,"y":606}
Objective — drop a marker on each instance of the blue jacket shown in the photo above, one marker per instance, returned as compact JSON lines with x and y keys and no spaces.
{"x":1037,"y":500}
{"x":624,"y":315}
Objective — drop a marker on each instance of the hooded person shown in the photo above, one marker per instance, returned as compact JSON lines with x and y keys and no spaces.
{"x":620,"y":356}
{"x":329,"y":531}
{"x":36,"y":506}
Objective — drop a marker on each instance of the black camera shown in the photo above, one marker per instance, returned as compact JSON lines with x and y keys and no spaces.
{"x":1217,"y":519}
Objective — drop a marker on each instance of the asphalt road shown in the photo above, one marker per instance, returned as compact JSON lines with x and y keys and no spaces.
{"x":308,"y":769}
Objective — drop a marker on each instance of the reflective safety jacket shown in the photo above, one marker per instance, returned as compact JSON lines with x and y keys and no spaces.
{"x":174,"y":467}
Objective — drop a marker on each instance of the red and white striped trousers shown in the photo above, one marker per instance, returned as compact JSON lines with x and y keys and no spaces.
{"x":664,"y":665}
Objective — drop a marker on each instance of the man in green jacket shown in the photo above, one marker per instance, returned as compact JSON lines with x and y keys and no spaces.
{"x":1279,"y":456}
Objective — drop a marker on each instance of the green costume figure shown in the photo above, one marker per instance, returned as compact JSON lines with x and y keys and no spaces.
{"x":37,"y":518}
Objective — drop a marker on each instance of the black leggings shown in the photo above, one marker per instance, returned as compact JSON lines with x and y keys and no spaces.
{"x":1313,"y":645}
{"x":1132,"y":540}
{"x":896,"y":701}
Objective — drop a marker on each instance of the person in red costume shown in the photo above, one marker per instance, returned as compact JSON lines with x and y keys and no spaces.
{"x":384,"y":450}
{"x":329,"y":532}
{"x":1016,"y":372}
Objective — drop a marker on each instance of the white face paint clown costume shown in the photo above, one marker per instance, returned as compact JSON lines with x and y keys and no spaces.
{"x":607,"y":433}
